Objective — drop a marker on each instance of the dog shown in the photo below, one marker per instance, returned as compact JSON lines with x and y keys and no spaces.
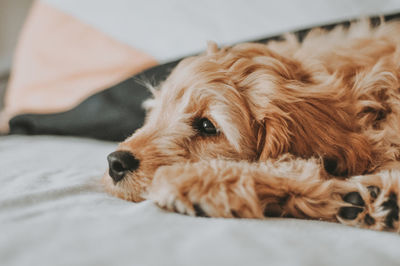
{"x":305,"y":129}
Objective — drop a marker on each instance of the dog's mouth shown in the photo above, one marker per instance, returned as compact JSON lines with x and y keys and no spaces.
{"x":131,"y":188}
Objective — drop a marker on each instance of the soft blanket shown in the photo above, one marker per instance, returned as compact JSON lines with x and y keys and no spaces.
{"x":53,"y":211}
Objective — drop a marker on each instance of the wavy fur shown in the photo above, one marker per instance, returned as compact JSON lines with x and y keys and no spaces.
{"x":308,"y":130}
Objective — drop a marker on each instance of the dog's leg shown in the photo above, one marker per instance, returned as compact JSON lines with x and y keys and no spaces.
{"x":293,"y":188}
{"x":218,"y":188}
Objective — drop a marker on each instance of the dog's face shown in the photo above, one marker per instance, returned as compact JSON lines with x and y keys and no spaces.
{"x":198,"y":113}
{"x":241,"y":103}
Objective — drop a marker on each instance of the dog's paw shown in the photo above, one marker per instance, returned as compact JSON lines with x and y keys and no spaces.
{"x":175,"y":202}
{"x":167,"y":197}
{"x":200,"y":189}
{"x":371,"y":208}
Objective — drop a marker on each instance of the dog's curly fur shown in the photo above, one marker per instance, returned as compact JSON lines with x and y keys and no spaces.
{"x":306,"y":130}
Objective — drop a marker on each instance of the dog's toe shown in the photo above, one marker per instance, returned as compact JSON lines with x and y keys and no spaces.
{"x":393,"y":210}
{"x":349,"y":213}
{"x":368,"y":220}
{"x":354,"y":198}
{"x":374,"y":191}
{"x":199,"y":210}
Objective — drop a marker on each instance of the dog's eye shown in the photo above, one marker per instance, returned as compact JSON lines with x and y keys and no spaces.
{"x":206,"y":127}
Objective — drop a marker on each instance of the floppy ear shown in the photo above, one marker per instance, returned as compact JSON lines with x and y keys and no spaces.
{"x":297,"y":115}
{"x":315,"y":127}
{"x":272,"y":138}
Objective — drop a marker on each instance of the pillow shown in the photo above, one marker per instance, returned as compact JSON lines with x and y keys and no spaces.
{"x":76,"y":73}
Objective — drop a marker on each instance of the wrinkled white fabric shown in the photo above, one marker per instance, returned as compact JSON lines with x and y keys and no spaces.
{"x":53,"y":211}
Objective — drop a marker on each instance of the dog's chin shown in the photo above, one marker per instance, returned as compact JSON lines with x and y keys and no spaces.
{"x":122,"y":190}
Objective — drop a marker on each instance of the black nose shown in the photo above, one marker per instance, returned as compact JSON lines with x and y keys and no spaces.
{"x":120,"y":163}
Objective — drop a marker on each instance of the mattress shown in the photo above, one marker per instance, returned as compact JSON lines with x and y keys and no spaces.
{"x":53,"y":211}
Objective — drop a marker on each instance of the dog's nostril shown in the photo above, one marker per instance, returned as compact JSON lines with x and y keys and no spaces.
{"x":120,"y":163}
{"x":117,"y":166}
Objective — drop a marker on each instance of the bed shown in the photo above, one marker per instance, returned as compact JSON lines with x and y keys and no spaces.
{"x":53,"y":210}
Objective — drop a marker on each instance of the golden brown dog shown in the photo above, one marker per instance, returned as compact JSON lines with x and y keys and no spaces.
{"x":306,"y":130}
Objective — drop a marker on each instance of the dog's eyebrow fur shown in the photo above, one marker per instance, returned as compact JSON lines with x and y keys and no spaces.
{"x":218,"y":99}
{"x":224,"y":122}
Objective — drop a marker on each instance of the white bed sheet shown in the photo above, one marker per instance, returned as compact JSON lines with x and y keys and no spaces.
{"x":53,"y":211}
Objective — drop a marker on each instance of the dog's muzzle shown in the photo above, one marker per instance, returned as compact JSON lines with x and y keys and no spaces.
{"x":120,"y":163}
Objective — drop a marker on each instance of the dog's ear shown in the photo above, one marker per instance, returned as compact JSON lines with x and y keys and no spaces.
{"x":314,"y":127}
{"x":321,"y":126}
{"x":272,"y":137}
{"x":296,"y":114}
{"x":212,"y":47}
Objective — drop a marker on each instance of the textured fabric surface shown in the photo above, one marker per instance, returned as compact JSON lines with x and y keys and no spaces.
{"x":54,"y":212}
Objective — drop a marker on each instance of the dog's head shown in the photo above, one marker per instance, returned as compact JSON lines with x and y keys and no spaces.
{"x":246,"y":102}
